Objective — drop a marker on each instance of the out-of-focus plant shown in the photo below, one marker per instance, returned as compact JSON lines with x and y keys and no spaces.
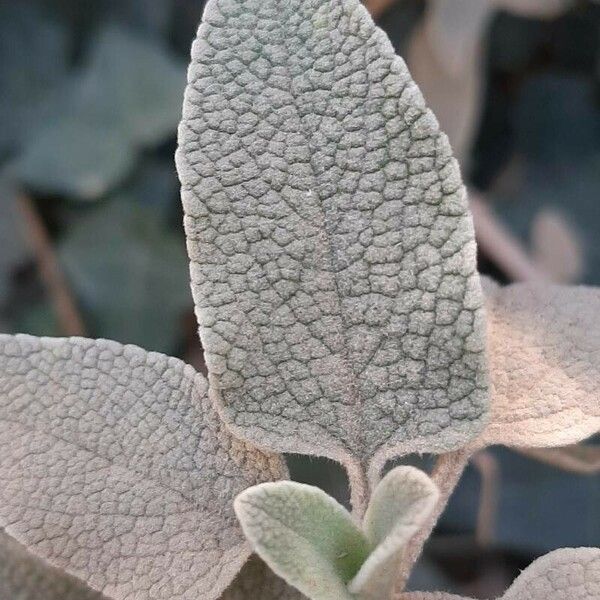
{"x":124,"y":99}
{"x":333,"y":272}
{"x":446,"y":59}
{"x":87,"y":126}
{"x":449,"y":55}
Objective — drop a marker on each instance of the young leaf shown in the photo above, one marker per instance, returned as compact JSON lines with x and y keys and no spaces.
{"x":566,"y":574}
{"x":116,"y":468}
{"x":544,"y":362}
{"x":399,"y":506}
{"x":257,"y":582}
{"x":332,"y":252}
{"x":25,"y":577}
{"x":304,"y":535}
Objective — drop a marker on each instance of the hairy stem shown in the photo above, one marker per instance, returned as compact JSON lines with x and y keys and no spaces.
{"x":446,"y":473}
{"x":359,"y":491}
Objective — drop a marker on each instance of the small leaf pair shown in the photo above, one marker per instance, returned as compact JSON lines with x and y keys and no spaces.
{"x":312,"y":542}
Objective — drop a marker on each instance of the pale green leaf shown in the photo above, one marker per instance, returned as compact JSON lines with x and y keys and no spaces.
{"x":304,"y":535}
{"x":399,"y":506}
{"x":116,"y":468}
{"x":332,"y":251}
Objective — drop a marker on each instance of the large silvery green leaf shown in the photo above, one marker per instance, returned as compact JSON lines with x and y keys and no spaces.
{"x":332,"y":253}
{"x":116,"y":468}
{"x":25,"y":577}
{"x":304,"y":535}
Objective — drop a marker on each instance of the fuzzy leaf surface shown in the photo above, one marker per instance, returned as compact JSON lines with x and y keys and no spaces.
{"x":400,"y":504}
{"x":565,"y":574}
{"x":332,"y":252}
{"x":545,"y":364}
{"x":304,"y":535}
{"x":115,"y":467}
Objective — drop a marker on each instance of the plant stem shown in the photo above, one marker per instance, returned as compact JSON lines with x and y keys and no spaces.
{"x":489,"y":473}
{"x":359,"y":490}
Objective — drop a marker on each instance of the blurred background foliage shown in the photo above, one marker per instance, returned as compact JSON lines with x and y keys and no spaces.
{"x":91,"y":241}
